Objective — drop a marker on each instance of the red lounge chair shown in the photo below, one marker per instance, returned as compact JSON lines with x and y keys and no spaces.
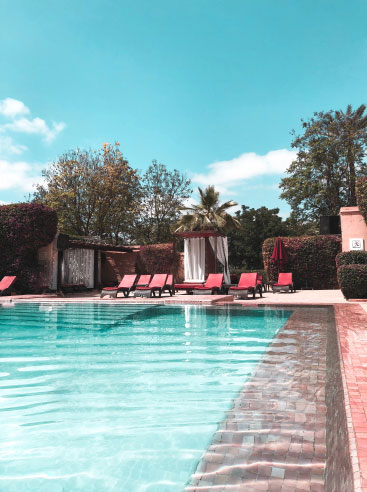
{"x":6,"y":283}
{"x":248,"y":283}
{"x":126,"y":286}
{"x":189,"y":287}
{"x":169,"y":285}
{"x":212,"y":285}
{"x":156,"y":285}
{"x":285,"y":282}
{"x":143,"y":281}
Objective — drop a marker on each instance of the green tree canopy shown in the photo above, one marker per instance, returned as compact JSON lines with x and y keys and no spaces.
{"x":331,"y":156}
{"x":94,"y":192}
{"x":245,"y":243}
{"x":163,"y":195}
{"x":209,"y":214}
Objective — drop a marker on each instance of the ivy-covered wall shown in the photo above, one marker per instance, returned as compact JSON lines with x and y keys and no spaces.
{"x":158,"y":258}
{"x":311,"y":259}
{"x":24,"y":228}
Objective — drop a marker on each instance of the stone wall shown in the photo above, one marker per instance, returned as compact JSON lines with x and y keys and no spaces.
{"x":353,"y":226}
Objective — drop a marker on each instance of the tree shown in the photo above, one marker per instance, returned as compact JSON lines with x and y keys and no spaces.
{"x":163,"y":195}
{"x":331,"y":156}
{"x":209,"y":214}
{"x":95,"y":192}
{"x":245,"y":243}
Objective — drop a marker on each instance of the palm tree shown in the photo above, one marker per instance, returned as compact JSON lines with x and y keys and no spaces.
{"x":351,"y":129}
{"x":209,"y":214}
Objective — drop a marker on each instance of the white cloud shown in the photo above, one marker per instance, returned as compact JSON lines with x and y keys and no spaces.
{"x":16,"y":110}
{"x":8,"y":146}
{"x":36,"y":126}
{"x":17,"y":175}
{"x":226,"y":174}
{"x":12,"y":107}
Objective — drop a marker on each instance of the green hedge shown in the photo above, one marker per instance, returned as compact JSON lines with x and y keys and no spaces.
{"x":353,"y":281}
{"x":311,"y":259}
{"x":351,"y":258}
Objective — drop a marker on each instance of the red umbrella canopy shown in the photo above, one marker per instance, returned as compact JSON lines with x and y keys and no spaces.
{"x":279,"y":255}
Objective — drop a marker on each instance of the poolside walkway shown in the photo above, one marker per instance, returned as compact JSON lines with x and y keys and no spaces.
{"x":300,"y":297}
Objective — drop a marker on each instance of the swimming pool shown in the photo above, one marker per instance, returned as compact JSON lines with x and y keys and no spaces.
{"x":104,"y":397}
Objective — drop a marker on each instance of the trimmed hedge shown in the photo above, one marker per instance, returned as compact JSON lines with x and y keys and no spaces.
{"x":158,"y":258}
{"x":351,"y":258}
{"x":353,"y":281}
{"x":24,"y":228}
{"x":311,"y":259}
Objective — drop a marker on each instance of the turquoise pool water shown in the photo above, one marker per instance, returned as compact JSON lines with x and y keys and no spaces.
{"x":109,"y":397}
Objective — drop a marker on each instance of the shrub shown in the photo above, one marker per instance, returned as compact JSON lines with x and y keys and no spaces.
{"x":158,"y":258}
{"x":351,"y":258}
{"x":311,"y":259}
{"x":353,"y":281}
{"x":24,"y":228}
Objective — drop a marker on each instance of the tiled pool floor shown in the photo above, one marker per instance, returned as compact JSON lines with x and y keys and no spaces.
{"x":274,"y":436}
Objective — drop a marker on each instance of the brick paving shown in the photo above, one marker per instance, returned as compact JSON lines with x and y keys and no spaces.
{"x":274,"y":436}
{"x":352,"y":323}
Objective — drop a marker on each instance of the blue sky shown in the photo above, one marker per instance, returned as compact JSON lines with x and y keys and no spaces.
{"x":212,"y":88}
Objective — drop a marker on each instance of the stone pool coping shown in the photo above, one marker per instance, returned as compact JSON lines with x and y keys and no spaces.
{"x":351,"y":324}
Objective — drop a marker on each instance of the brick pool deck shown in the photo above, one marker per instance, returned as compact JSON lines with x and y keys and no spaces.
{"x":274,"y":436}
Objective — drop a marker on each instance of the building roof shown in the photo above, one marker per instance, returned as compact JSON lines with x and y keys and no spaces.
{"x":64,"y":242}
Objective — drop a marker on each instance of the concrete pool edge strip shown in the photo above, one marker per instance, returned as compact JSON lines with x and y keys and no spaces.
{"x":352,"y":438}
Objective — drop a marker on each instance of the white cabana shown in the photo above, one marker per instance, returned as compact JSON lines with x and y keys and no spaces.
{"x":219,"y":245}
{"x":194,"y":254}
{"x":194,"y":259}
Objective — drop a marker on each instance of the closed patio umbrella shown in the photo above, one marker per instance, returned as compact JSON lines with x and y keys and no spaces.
{"x":279,"y":256}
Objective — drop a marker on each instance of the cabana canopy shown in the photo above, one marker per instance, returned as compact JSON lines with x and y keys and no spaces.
{"x":199,"y":234}
{"x":194,"y":253}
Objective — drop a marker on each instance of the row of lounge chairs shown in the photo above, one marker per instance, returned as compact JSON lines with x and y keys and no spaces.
{"x":146,"y":286}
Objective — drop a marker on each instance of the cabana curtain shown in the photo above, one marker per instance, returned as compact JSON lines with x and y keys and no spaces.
{"x":219,"y":245}
{"x":78,"y":267}
{"x":194,"y":259}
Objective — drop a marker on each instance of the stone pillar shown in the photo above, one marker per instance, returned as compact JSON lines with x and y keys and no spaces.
{"x":353,"y":226}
